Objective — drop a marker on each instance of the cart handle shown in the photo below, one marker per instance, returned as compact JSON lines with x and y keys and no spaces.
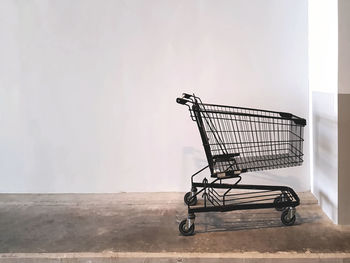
{"x":185,"y":99}
{"x":182,"y":101}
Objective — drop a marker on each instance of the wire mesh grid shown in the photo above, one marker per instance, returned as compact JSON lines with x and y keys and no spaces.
{"x":243,"y":139}
{"x":219,"y":197}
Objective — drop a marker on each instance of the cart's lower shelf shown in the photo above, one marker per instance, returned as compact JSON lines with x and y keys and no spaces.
{"x":219,"y":197}
{"x":226,"y":197}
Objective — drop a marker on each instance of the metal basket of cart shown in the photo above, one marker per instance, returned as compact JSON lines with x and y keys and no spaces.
{"x":238,"y":140}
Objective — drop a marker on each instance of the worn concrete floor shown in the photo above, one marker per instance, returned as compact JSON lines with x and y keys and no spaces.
{"x":148,"y":222}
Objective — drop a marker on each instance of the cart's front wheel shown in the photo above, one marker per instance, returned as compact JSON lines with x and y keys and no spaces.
{"x":189,"y":200}
{"x":286,"y":219}
{"x":184,"y":229}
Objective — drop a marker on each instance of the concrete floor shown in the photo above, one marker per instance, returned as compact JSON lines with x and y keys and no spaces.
{"x":148,"y":223}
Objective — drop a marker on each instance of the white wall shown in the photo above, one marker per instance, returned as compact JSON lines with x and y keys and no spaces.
{"x":88,"y":88}
{"x":323,"y":86}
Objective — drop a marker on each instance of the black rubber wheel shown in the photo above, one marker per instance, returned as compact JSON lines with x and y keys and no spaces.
{"x":184,"y":230}
{"x":188,"y":200}
{"x":285,"y":220}
{"x":279,"y":200}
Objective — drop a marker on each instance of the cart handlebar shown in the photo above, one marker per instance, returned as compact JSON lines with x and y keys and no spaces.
{"x":182,"y":101}
{"x":186,"y":98}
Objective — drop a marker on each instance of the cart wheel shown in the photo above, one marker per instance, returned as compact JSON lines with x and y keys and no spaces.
{"x":279,"y":199}
{"x":285,"y":220}
{"x":184,"y":230}
{"x":187,"y":198}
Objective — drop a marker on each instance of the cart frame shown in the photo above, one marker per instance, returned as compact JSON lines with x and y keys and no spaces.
{"x":282,"y":198}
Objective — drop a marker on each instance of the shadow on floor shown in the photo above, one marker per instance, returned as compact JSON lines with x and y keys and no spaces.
{"x":216,"y":222}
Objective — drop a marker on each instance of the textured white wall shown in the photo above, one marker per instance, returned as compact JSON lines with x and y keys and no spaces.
{"x":325,"y":151}
{"x":323,"y":85}
{"x":88,"y":88}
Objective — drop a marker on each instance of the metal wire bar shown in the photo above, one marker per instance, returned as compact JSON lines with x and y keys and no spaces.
{"x":256,"y":192}
{"x":254,"y":196}
{"x":254,"y":201}
{"x":217,"y":199}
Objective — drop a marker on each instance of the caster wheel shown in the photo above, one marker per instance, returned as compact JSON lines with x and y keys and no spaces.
{"x":190,"y":201}
{"x":279,"y":200}
{"x":184,"y":230}
{"x":286,"y":220}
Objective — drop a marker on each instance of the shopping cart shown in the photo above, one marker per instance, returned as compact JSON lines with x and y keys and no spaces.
{"x":239,"y":140}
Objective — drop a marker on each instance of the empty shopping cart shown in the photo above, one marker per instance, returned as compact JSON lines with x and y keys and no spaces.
{"x":236,"y":141}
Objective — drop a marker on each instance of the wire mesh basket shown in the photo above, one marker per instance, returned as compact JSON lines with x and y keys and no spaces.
{"x":240,"y":139}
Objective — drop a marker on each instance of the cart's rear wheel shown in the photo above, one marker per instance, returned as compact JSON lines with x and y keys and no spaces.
{"x":188,"y":200}
{"x":286,"y":220}
{"x":184,"y":230}
{"x":278,"y":200}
